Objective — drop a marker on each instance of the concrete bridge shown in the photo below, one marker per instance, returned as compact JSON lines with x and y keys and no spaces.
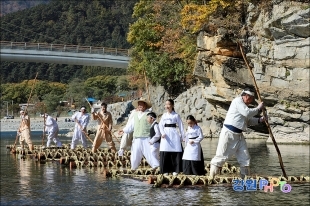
{"x":64,"y":54}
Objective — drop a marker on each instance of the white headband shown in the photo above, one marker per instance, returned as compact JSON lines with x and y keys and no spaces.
{"x":83,"y":108}
{"x":248,"y":92}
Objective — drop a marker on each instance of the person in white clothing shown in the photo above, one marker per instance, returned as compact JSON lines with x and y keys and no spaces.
{"x":141,"y":132}
{"x":231,"y":140}
{"x":155,"y":136}
{"x":171,"y":149}
{"x":51,"y":127}
{"x":126,"y":140}
{"x":193,"y":163}
{"x":81,"y":120}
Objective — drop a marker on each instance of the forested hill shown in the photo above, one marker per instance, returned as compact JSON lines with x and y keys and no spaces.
{"x":9,"y":6}
{"x":84,"y":22}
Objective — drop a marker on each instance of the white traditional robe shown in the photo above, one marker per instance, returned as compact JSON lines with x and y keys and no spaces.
{"x":232,"y":143}
{"x":78,"y":134}
{"x":51,"y":127}
{"x":193,"y":151}
{"x":140,"y":145}
{"x":174,"y":136}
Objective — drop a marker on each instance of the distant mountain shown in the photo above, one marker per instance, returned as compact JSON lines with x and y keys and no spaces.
{"x":9,"y":6}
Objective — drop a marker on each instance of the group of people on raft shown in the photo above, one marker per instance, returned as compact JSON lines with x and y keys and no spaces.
{"x":161,"y":142}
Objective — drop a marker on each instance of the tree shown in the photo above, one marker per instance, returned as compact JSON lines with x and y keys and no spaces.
{"x":161,"y":49}
{"x":75,"y":92}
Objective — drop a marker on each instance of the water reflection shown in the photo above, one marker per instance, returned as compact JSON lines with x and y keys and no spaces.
{"x":27,"y":182}
{"x":25,"y":177}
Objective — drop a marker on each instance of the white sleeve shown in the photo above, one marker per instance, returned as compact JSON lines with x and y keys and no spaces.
{"x":180,"y":124}
{"x":161,"y":125}
{"x":157,"y":135}
{"x":186,"y":138}
{"x":245,"y":110}
{"x":200,"y":136}
{"x":129,"y":126}
{"x":74,"y":116}
{"x":253,"y":121}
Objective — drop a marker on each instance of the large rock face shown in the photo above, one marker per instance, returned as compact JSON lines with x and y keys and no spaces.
{"x":278,"y":51}
{"x":279,"y":55}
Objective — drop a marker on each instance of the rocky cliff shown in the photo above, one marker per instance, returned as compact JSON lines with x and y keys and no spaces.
{"x":278,"y":51}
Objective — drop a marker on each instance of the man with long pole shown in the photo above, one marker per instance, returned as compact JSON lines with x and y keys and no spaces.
{"x":104,"y":128}
{"x":231,"y":141}
{"x":264,"y":111}
{"x":82,"y":119}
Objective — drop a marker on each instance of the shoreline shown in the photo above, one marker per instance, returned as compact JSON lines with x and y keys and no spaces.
{"x":36,"y":124}
{"x":11,"y":125}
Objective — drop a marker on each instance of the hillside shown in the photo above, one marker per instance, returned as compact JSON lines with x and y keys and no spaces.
{"x":92,"y":23}
{"x":9,"y":6}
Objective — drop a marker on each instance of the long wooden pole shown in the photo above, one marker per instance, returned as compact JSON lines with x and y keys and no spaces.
{"x":264,"y":111}
{"x":31,"y":91}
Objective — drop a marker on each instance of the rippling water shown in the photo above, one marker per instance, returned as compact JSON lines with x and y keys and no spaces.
{"x":27,"y":182}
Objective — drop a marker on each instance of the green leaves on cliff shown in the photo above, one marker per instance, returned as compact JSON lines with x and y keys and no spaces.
{"x":161,"y":48}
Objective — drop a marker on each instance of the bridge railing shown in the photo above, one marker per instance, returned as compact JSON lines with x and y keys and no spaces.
{"x":64,"y":48}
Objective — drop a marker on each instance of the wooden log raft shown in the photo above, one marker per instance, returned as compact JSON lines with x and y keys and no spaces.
{"x":199,"y":181}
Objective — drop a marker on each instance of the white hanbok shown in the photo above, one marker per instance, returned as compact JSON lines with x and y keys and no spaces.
{"x":193,"y":151}
{"x":81,"y":124}
{"x":173,"y":137}
{"x":140,"y":145}
{"x":51,"y":127}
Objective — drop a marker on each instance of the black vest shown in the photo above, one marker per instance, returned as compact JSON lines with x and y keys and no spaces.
{"x":152,"y":132}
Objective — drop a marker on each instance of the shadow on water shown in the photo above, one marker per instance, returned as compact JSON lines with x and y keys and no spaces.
{"x":27,"y":182}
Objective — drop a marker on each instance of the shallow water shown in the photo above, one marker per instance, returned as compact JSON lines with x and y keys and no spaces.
{"x":27,"y":182}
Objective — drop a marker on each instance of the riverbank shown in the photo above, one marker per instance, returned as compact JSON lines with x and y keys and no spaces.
{"x":37,"y":124}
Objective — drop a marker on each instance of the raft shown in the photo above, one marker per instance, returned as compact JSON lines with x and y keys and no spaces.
{"x":116,"y":166}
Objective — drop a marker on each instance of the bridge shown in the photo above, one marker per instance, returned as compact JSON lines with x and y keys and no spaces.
{"x":64,"y":54}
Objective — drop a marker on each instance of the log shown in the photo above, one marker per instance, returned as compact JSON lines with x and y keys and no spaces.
{"x":151,"y":179}
{"x":72,"y":165}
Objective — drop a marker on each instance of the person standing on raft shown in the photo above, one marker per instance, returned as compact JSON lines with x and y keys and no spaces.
{"x":51,"y":127}
{"x":193,"y":163}
{"x":155,"y":136}
{"x":24,"y":130}
{"x":81,"y":120}
{"x":141,"y":135}
{"x":171,"y":149}
{"x":104,"y":128}
{"x":231,"y":140}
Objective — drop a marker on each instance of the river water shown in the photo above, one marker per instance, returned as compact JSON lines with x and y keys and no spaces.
{"x":27,"y":182}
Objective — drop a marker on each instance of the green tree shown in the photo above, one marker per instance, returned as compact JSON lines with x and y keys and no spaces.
{"x":76,"y":92}
{"x":161,"y":49}
{"x":51,"y":101}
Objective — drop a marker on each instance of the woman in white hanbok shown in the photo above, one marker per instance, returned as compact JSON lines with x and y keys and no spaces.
{"x":193,"y":163}
{"x":171,"y":149}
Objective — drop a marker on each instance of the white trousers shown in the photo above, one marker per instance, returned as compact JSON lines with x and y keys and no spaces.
{"x":126,"y":141}
{"x":231,"y":143}
{"x":78,"y":135}
{"x":155,"y":152}
{"x":53,"y":136}
{"x":141,"y":147}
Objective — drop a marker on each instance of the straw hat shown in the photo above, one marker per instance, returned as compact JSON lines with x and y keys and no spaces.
{"x":148,"y":104}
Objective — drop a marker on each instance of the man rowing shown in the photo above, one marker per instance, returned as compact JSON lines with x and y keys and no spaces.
{"x":231,"y":141}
